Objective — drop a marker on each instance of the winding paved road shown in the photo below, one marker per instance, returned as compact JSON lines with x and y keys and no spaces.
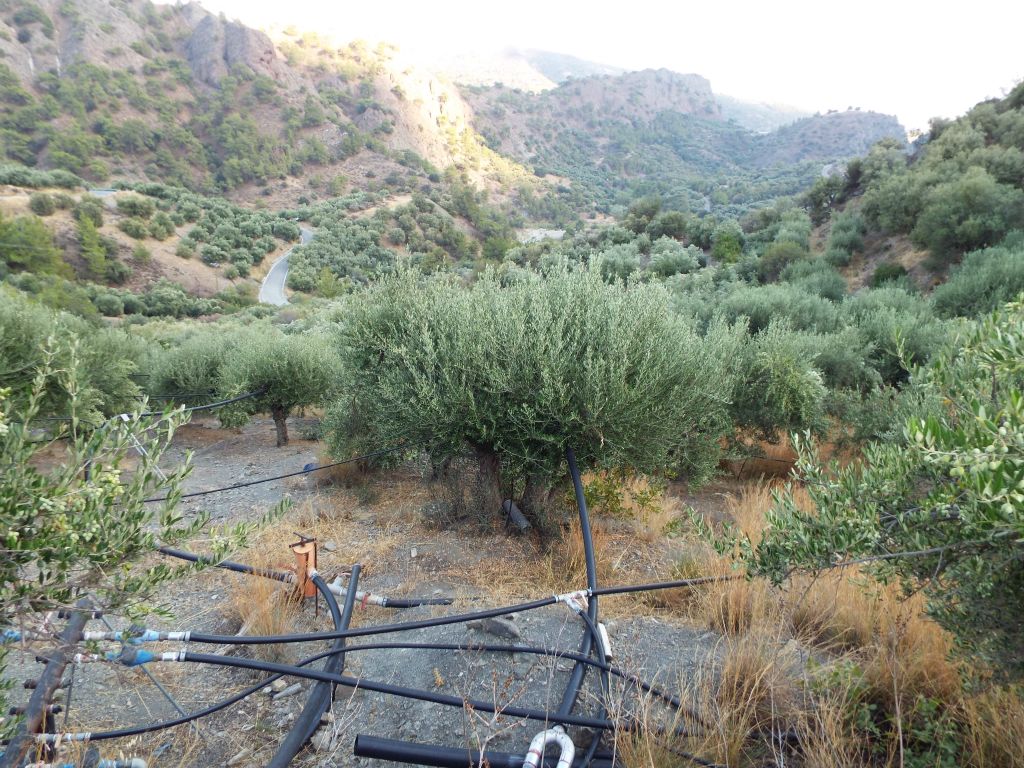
{"x":272,"y":289}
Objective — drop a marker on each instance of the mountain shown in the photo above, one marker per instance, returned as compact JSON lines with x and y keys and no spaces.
{"x":176,"y":94}
{"x":758,"y":117}
{"x":614,"y":137}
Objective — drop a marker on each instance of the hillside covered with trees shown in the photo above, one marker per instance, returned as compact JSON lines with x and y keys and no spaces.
{"x":821,"y":296}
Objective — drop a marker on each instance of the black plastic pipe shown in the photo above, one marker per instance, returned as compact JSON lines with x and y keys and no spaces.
{"x":284,"y":576}
{"x":398,"y":690}
{"x":226,"y":564}
{"x":379,"y":629}
{"x":591,"y":637}
{"x":218,"y":706}
{"x":415,"y":602}
{"x":323,"y":693}
{"x":396,"y":751}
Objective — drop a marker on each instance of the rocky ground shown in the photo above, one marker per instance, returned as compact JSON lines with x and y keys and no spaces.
{"x":377,"y":524}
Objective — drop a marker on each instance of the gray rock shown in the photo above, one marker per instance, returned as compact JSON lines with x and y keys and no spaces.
{"x":291,"y":690}
{"x":499,"y":627}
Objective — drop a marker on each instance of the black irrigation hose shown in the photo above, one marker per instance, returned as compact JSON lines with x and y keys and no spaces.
{"x":416,"y":602}
{"x":658,"y":585}
{"x":395,"y":751}
{"x":592,"y":637}
{"x":286,"y":577}
{"x":381,"y":629}
{"x":370,"y":455}
{"x":234,"y":699}
{"x":398,"y":690}
{"x":670,"y":699}
{"x":211,"y":406}
{"x":266,"y":573}
{"x":322,"y":694}
{"x":378,"y":629}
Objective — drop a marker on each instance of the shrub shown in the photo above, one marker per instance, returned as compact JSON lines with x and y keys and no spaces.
{"x":888,"y":272}
{"x":669,"y":257}
{"x":984,"y":281}
{"x":134,"y":228}
{"x":901,"y":327}
{"x":777,"y":257}
{"x":161,"y":227}
{"x":816,"y":276}
{"x":136,"y":205}
{"x":109,"y":305}
{"x":944,"y":497}
{"x":41,"y":204}
{"x":777,"y":388}
{"x":90,"y":208}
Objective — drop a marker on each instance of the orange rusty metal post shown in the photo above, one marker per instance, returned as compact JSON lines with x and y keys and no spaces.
{"x":305,"y":564}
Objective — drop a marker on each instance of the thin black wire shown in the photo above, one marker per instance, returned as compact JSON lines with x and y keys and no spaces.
{"x":193,"y":494}
{"x":191,"y":409}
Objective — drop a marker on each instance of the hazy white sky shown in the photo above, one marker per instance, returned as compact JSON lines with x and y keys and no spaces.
{"x":915,"y":60}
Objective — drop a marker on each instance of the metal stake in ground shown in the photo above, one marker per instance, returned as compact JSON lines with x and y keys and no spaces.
{"x":49,"y":681}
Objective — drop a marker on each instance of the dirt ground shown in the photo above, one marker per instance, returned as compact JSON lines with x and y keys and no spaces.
{"x":377,"y":522}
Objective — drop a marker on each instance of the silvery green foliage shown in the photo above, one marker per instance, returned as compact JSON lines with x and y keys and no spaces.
{"x":288,"y":371}
{"x":528,"y":367}
{"x":948,"y":494}
{"x":81,"y":526}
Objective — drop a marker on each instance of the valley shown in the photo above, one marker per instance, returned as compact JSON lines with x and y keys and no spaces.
{"x":432,"y":402}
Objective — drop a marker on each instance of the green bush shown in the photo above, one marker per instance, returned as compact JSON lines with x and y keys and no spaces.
{"x":90,"y":208}
{"x":134,"y":228}
{"x":136,"y":206}
{"x":669,"y":257}
{"x":973,"y":211}
{"x":901,"y":326}
{"x":944,"y":496}
{"x":777,"y":257}
{"x":777,"y":389}
{"x":984,"y":281}
{"x":888,"y":272}
{"x":816,"y":276}
{"x":41,"y":204}
{"x":161,"y":227}
{"x":109,"y":305}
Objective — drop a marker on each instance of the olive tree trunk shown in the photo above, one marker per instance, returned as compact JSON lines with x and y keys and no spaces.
{"x":488,"y":478}
{"x":280,"y":416}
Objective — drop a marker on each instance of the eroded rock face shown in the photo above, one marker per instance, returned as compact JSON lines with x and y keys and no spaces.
{"x":216,"y":46}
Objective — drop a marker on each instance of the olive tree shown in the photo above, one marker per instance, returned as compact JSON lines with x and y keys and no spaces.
{"x":104,"y":360}
{"x":286,"y":372}
{"x":517,"y":372}
{"x":80,"y":525}
{"x":941,"y":505}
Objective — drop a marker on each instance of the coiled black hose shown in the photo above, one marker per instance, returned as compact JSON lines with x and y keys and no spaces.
{"x":322,"y":695}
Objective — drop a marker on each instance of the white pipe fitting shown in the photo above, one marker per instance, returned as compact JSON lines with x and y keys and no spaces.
{"x":556,"y":735}
{"x":365,"y":598}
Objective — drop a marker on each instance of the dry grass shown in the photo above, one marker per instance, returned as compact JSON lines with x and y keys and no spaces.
{"x":262,"y":607}
{"x":895,"y":657}
{"x":755,"y":693}
{"x":746,"y":689}
{"x":994,"y":733}
{"x":828,"y":737}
